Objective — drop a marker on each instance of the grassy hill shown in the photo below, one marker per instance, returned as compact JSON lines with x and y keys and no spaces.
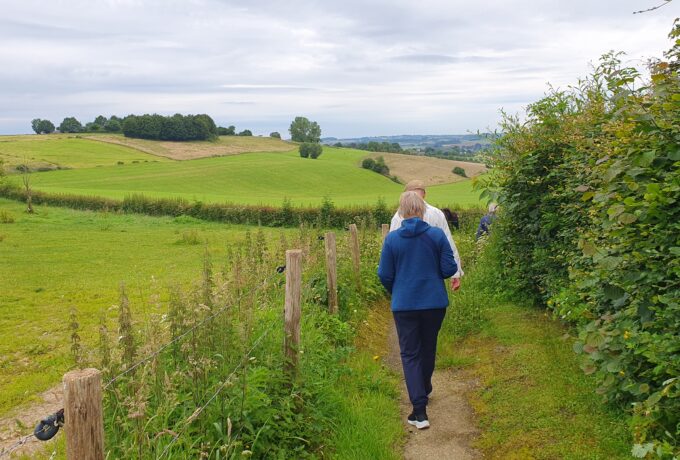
{"x":256,"y":178}
{"x":65,"y":151}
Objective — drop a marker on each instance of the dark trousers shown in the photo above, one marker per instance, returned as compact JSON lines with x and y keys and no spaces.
{"x":417,"y":331}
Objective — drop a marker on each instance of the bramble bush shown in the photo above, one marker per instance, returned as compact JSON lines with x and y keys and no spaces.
{"x":589,"y":187}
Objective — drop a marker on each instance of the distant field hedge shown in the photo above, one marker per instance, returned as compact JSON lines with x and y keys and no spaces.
{"x":287,"y":215}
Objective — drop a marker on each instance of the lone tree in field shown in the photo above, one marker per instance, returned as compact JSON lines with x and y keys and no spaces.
{"x":303,"y":130}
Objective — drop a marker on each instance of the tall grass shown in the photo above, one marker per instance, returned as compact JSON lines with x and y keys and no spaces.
{"x":220,"y":389}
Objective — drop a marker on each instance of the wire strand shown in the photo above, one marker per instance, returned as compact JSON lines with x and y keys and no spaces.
{"x":194,"y":415}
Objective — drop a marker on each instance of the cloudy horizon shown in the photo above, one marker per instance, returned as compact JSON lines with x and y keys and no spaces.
{"x":357,"y":68}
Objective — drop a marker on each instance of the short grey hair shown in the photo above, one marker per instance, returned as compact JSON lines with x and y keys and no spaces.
{"x":411,"y":205}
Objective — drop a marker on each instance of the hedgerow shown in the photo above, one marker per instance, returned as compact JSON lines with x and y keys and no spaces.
{"x":590,"y":193}
{"x":287,"y":215}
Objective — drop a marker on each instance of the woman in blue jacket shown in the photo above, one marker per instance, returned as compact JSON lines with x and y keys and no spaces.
{"x":415,"y":261}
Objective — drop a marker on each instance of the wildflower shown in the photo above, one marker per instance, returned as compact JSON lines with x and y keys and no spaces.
{"x":626,"y":335}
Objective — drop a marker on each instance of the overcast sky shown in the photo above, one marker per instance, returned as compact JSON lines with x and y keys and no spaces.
{"x":369,"y":67}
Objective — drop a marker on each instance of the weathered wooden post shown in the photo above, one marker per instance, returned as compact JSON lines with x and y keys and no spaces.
{"x":354,"y":247}
{"x":331,"y":272}
{"x":291,"y":340}
{"x":385,"y":230}
{"x":83,"y":415}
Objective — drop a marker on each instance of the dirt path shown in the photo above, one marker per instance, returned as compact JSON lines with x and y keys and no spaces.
{"x":22,"y":423}
{"x":452,"y":419}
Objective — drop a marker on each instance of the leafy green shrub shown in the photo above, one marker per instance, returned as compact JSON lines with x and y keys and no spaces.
{"x":589,"y":187}
{"x":459,"y":171}
{"x":310,"y":150}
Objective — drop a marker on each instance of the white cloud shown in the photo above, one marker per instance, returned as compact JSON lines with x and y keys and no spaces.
{"x":357,"y":67}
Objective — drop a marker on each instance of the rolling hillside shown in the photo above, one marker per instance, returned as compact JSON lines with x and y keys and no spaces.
{"x":256,"y":178}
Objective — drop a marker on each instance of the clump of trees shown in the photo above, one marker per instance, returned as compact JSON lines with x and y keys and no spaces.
{"x":275,"y":135}
{"x":175,"y":128}
{"x":378,"y":165}
{"x":42,"y":126}
{"x":373,"y":146}
{"x":230,"y":131}
{"x":309,"y":133}
{"x":459,"y":171}
{"x":310,"y":150}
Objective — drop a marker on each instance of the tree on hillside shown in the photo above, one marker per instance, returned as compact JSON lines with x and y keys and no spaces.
{"x":303,"y":130}
{"x":35,"y":124}
{"x":42,"y":126}
{"x":275,"y":135}
{"x":100,"y":121}
{"x":230,"y":131}
{"x":46,"y":127}
{"x":70,"y":125}
{"x":310,"y":150}
{"x":246,"y":132}
{"x":113,"y":125}
{"x":459,"y":171}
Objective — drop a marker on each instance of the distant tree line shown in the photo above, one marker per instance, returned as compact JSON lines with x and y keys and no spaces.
{"x":373,"y":146}
{"x":176,"y":128}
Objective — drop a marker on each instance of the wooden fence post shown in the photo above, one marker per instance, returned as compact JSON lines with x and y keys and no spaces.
{"x":385,"y":230}
{"x":331,"y":272}
{"x":354,"y":247}
{"x":291,"y":340}
{"x":83,"y":415}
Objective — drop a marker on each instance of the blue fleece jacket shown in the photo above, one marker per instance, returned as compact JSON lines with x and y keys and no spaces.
{"x":414,"y":262}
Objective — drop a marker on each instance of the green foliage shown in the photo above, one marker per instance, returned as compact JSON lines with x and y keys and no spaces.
{"x":275,"y":135}
{"x":378,"y":165}
{"x":175,"y":128}
{"x":6,"y":217}
{"x":589,"y":188}
{"x":246,"y":132}
{"x":303,"y":130}
{"x":230,"y":131}
{"x":310,"y":150}
{"x":70,"y":125}
{"x":459,"y":171}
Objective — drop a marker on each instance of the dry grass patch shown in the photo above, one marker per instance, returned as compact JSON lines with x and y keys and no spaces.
{"x":225,"y":145}
{"x":432,"y":171}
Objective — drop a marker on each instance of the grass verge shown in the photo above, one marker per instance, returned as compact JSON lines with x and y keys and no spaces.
{"x":533,"y":401}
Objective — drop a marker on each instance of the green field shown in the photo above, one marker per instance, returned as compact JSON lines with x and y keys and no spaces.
{"x":66,"y":151}
{"x":59,"y":258}
{"x":255,"y":178}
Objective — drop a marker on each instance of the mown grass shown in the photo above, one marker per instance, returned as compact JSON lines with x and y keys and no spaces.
{"x":66,"y":151}
{"x":255,"y":178}
{"x":59,"y":258}
{"x":533,"y":401}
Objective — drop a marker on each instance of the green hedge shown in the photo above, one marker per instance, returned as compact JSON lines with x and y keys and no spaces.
{"x":287,"y":215}
{"x":589,"y":186}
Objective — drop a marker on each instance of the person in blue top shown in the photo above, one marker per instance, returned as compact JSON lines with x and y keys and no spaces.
{"x":486,"y":221}
{"x":414,"y":262}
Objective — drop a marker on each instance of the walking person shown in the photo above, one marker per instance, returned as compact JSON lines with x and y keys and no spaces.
{"x":436,"y":218}
{"x":485,"y":222}
{"x":414,"y":262}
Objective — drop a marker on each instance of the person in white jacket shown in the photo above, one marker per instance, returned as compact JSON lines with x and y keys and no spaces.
{"x":435,"y":217}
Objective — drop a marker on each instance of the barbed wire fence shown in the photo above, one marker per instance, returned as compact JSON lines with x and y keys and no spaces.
{"x":48,"y":427}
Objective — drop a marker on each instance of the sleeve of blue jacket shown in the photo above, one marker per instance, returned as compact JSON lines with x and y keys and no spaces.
{"x":447,"y":263}
{"x":386,"y":269}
